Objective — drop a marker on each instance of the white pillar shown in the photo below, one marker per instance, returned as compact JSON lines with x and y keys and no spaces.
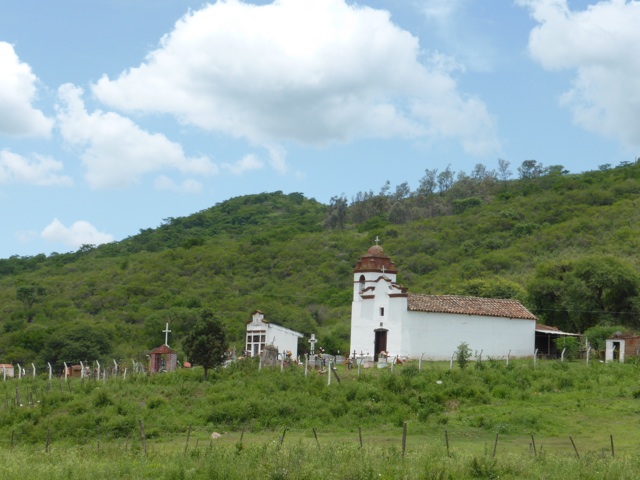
{"x":4,"y":373}
{"x":34,"y":370}
{"x":49,"y":370}
{"x":306,"y":365}
{"x":116,"y":367}
{"x":535,"y":357}
{"x":98,"y":377}
{"x":329,"y":373}
{"x":81,"y":370}
{"x":65,"y":371}
{"x":420,"y":362}
{"x":19,"y":372}
{"x":562,"y":354}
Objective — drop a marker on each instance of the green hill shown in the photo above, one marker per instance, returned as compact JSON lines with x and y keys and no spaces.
{"x":566,"y":245}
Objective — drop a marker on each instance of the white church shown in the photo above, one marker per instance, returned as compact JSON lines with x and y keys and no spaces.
{"x":385,"y":317}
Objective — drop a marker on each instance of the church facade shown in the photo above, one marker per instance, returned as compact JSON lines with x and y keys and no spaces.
{"x":385,"y":317}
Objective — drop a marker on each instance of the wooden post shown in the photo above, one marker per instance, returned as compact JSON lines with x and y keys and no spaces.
{"x":562,"y":354}
{"x":144,"y":439}
{"x":329,"y":374}
{"x":404,"y":437}
{"x":17,"y":396}
{"x":508,"y":355}
{"x":451,"y":361}
{"x":533,"y":442}
{"x":188,"y":436}
{"x":446,"y":441}
{"x":306,"y":365}
{"x":495,"y":446}
{"x":334,"y":372}
{"x":613,"y":452}
{"x":535,"y":357}
{"x":283,"y":434}
{"x":574,"y":446}
{"x":316,"y":437}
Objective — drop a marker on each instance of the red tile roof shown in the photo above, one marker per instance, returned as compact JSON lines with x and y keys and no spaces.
{"x":164,"y":349}
{"x":488,"y":307}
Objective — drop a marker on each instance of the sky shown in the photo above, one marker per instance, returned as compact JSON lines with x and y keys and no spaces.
{"x":115,"y":115}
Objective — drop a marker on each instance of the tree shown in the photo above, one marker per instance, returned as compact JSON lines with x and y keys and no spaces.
{"x":207,"y":343}
{"x":337,"y":212}
{"x":28,"y":295}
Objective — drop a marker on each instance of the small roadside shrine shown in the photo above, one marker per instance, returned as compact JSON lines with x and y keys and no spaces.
{"x":163,"y":359}
{"x":261,"y":333}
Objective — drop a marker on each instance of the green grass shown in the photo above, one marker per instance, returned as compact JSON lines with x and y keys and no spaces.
{"x":90,"y":422}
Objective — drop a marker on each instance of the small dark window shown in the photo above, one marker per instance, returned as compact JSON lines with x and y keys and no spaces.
{"x":382,"y":311}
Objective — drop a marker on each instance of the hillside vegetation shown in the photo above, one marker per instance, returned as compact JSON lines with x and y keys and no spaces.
{"x":566,"y":245}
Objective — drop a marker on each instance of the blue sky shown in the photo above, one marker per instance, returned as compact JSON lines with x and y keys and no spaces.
{"x":115,"y":114}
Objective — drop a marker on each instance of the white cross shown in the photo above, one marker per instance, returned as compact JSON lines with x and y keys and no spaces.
{"x":312,"y":341}
{"x":383,"y":269}
{"x":377,"y":240}
{"x":166,"y":332}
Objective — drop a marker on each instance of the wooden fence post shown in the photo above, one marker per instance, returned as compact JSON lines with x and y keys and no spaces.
{"x":316,"y":437}
{"x":495,"y":446}
{"x":187,"y":444}
{"x":144,"y":439}
{"x":404,"y":437}
{"x":574,"y":446}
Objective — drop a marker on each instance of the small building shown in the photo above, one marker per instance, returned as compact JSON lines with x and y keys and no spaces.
{"x":75,"y":371}
{"x":162,"y":359}
{"x":385,"y":317}
{"x":261,"y":333}
{"x":621,"y":345}
{"x":7,"y":370}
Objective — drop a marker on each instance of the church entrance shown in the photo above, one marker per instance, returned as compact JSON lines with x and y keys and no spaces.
{"x":380,"y":342}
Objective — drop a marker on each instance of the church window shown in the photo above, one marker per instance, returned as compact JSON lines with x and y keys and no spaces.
{"x":382,"y":311}
{"x":361,"y":283}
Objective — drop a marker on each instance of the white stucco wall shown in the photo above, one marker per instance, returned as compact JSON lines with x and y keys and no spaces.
{"x":438,"y":335}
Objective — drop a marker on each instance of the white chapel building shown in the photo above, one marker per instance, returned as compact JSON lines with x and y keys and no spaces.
{"x":261,"y":333}
{"x":385,"y":317}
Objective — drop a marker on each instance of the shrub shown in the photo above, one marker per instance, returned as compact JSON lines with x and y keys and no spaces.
{"x":463,"y":354}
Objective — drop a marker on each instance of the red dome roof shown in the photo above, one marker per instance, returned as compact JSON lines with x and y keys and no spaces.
{"x":375,"y":260}
{"x":376,"y":250}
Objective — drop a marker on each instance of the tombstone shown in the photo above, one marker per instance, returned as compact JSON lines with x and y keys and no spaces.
{"x":269,"y":356}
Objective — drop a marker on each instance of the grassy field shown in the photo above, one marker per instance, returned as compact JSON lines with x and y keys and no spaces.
{"x":454,"y":422}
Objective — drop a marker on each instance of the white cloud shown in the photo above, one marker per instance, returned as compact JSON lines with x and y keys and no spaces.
{"x":314,"y":72}
{"x":116,"y":151}
{"x":187,"y":186}
{"x":17,"y":92}
{"x":247,"y":163}
{"x":78,"y":234}
{"x":39,"y":170}
{"x":601,"y":45}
